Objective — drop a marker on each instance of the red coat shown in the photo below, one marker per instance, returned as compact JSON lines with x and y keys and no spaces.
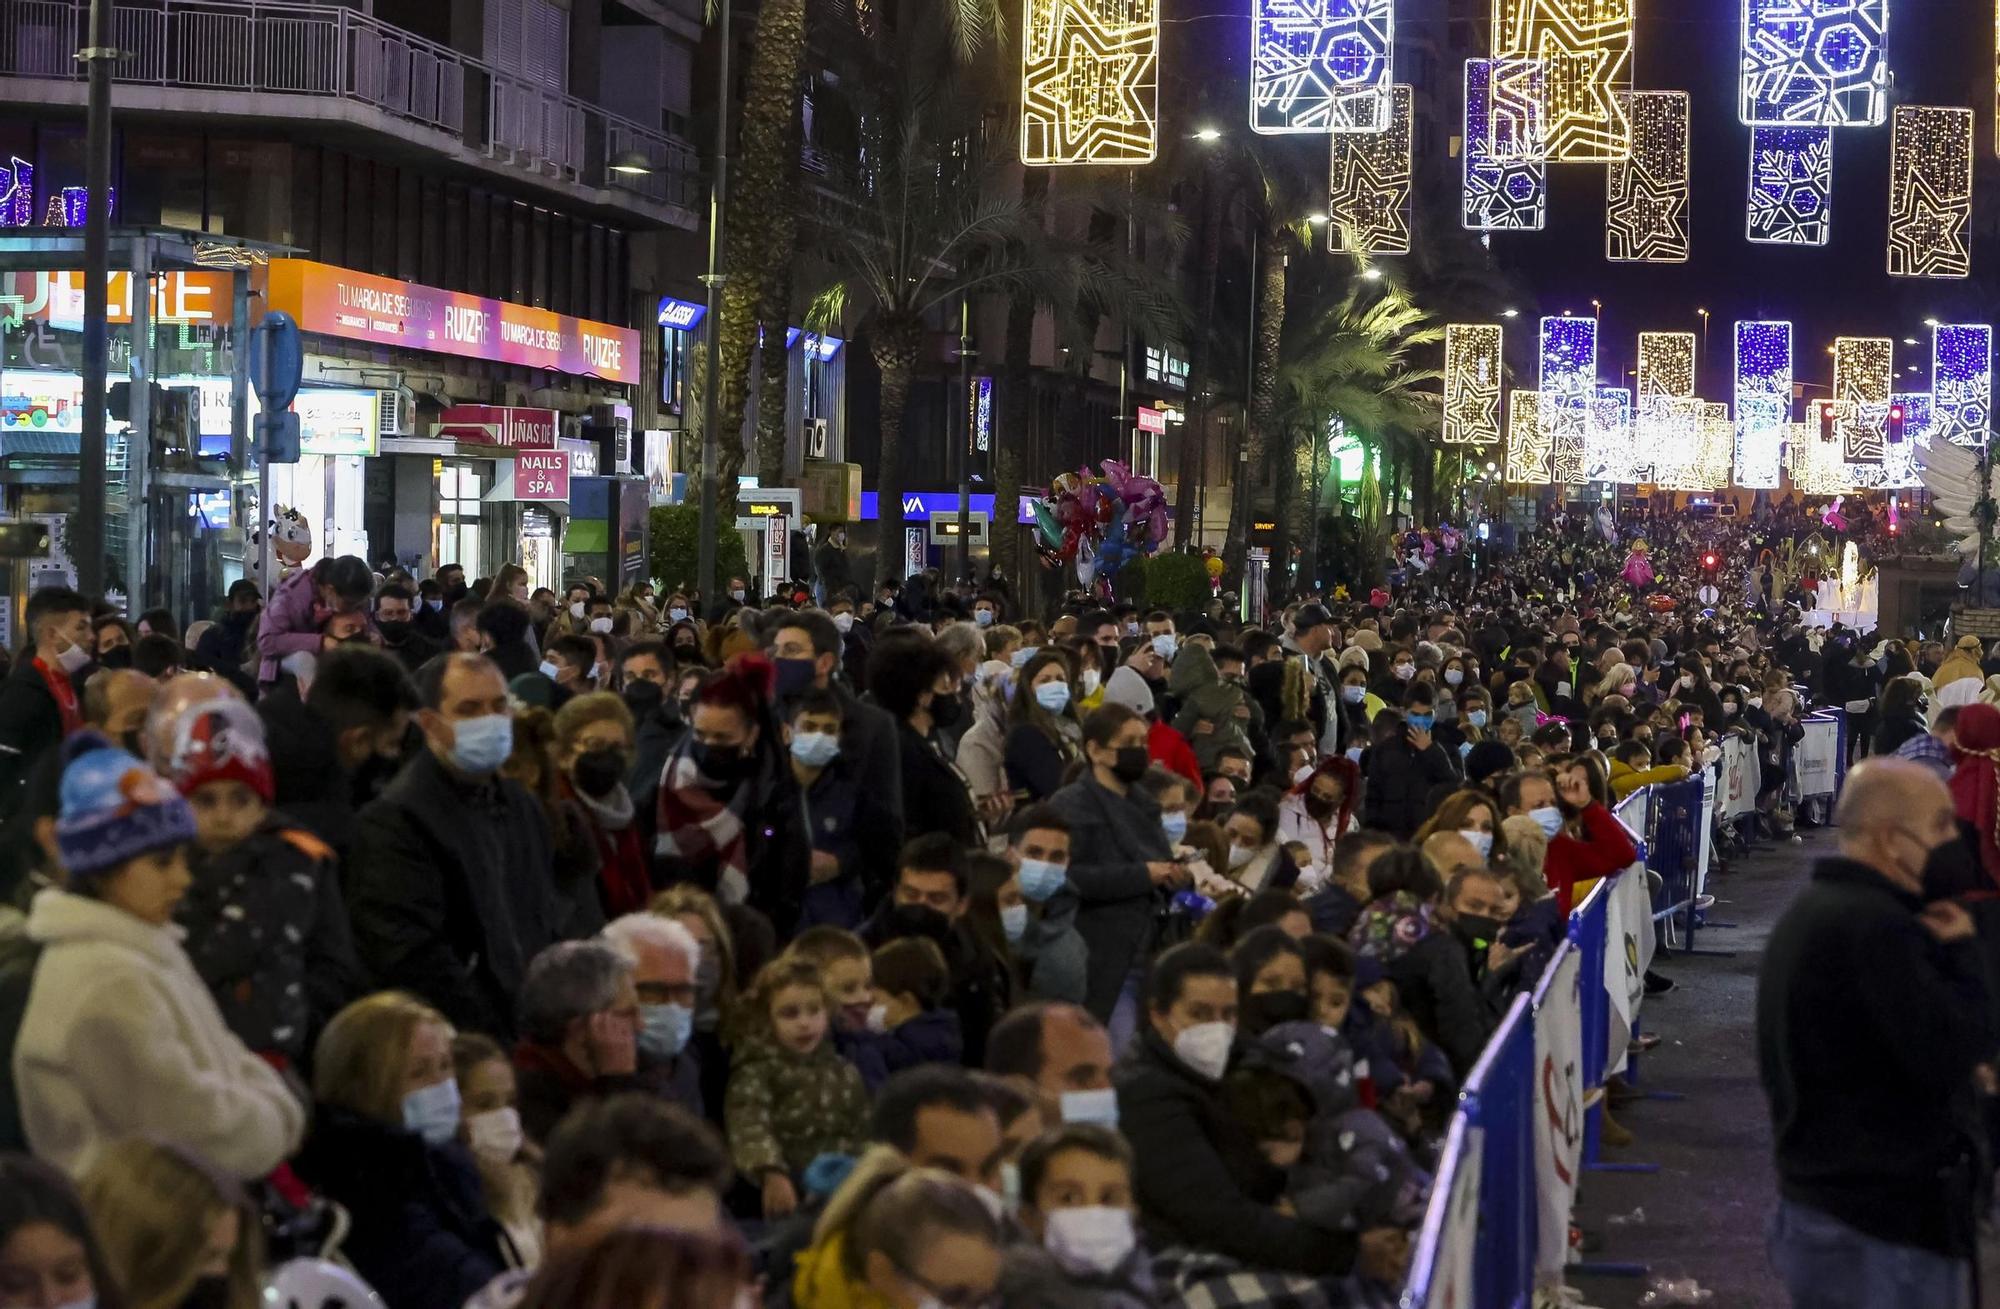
{"x":1604,"y":848}
{"x":1171,"y":750}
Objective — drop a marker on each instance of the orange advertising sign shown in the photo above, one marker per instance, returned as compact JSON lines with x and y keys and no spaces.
{"x":194,"y":297}
{"x":387,"y":311}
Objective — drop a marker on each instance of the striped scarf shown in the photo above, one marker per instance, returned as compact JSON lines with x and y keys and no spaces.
{"x":701,"y":823}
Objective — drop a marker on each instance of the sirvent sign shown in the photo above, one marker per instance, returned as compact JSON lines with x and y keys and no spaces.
{"x":387,"y":311}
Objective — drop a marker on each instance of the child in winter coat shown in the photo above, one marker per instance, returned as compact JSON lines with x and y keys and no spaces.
{"x":791,"y":1096}
{"x":911,"y":982}
{"x":265,"y":925}
{"x":847,"y":972}
{"x":1077,"y":1205}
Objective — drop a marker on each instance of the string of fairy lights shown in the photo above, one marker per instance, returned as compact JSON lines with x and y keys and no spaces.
{"x":1556,"y":87}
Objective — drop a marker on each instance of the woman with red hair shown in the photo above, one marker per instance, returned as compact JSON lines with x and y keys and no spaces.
{"x":1318,"y":812}
{"x":727,"y":822}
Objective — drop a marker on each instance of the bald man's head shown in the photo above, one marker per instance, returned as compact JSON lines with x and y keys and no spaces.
{"x":1451,"y":854}
{"x":1892,"y":814}
{"x":115,"y":701}
{"x":177,"y":694}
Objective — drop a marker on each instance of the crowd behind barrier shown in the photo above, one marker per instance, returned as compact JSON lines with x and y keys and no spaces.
{"x":1528,"y":1117}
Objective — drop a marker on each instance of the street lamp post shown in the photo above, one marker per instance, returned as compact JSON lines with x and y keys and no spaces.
{"x":89,"y":554}
{"x":965,"y":448}
{"x":710,"y":388}
{"x":1704,"y":344}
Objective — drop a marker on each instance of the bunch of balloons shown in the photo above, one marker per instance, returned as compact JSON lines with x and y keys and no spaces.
{"x":1101,"y":522}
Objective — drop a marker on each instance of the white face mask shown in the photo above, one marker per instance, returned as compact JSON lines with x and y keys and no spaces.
{"x":1480,"y":841}
{"x":1090,"y":1238}
{"x":845,"y":622}
{"x":1090,"y":681}
{"x":576,"y":609}
{"x":602,"y":626}
{"x":73,"y":658}
{"x":1100,"y":1107}
{"x":1453,"y":676}
{"x":495,"y":1135}
{"x":1014,"y":921}
{"x":1239,"y":855}
{"x":1205,"y":1048}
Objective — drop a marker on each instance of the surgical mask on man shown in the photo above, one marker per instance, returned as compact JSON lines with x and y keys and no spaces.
{"x":815,"y":749}
{"x":72,"y":659}
{"x":1164,"y":646}
{"x":1099,"y":1107}
{"x":1475,"y":718}
{"x":576,"y":609}
{"x":844,"y":622}
{"x":480,"y":745}
{"x":1041,"y":879}
{"x":1549,"y":819}
{"x":664,"y":1029}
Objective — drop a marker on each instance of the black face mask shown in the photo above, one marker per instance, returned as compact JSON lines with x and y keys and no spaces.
{"x":1951,"y":870}
{"x":394,"y":632}
{"x":946,"y":708}
{"x":598,"y":772}
{"x":1477,"y":929}
{"x":1132,"y":763}
{"x":643,"y":698}
{"x":372,"y":776}
{"x":118,"y":656}
{"x":725,"y":763}
{"x":918,"y":920}
{"x":1319,"y":808}
{"x":1269,"y":1008}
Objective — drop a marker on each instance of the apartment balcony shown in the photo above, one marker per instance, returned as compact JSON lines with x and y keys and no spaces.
{"x":323,"y":64}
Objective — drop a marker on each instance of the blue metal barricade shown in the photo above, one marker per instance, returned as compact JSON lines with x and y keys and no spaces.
{"x":1680,"y":812}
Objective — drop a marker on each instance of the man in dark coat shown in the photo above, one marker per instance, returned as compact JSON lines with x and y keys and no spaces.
{"x":1198,"y":1175}
{"x":395,"y":618}
{"x":333,"y":751}
{"x":39,"y":703}
{"x":579,"y":1032}
{"x":451,"y":885}
{"x":1872,"y":1016}
{"x":807,"y":648}
{"x":1403,"y":764}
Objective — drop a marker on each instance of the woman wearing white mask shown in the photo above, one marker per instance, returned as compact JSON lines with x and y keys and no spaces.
{"x":1257,"y":858}
{"x":490,"y":1127}
{"x":1043,"y":734}
{"x":384,"y":1145}
{"x":982,"y":751}
{"x":1077,"y":1205}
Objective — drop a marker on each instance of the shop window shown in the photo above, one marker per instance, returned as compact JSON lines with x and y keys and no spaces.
{"x":459,"y":489}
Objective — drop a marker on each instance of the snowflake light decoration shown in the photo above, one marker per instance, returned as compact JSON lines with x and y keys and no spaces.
{"x":1321,"y":65}
{"x":1791,"y":185}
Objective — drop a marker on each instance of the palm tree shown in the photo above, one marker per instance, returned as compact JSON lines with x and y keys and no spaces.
{"x":1354,"y":362}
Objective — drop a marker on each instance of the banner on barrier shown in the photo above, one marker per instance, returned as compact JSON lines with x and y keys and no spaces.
{"x":1817,"y":758}
{"x":1742,"y":776}
{"x":1628,"y":953}
{"x":1453,"y":1283}
{"x":1559,"y":1082}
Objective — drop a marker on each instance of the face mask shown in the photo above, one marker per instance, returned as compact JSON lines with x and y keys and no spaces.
{"x":1240,"y":855}
{"x":1319,"y":807}
{"x":1164,"y":645}
{"x":795,"y":675}
{"x":1205,"y":1048}
{"x":1014,"y":921}
{"x":1404,"y":672}
{"x":1422,"y":722}
{"x":1549,"y":819}
{"x":434,"y":605}
{"x":1480,"y":930}
{"x":576,"y":609}
{"x":120,"y":656}
{"x":1053,"y":696}
{"x":1099,"y":1107}
{"x":495,"y":1134}
{"x":1628,"y":689}
{"x":1453,"y":676}
{"x":815,"y":749}
{"x":1021,"y":657}
{"x":1090,"y":1238}
{"x":1131,"y":629}
{"x":432,"y":1111}
{"x":677,"y":614}
{"x":601,"y":625}
{"x":480,"y":745}
{"x":878,"y":1019}
{"x":1756,"y":702}
{"x":1269,"y":1008}
{"x":945,"y":709}
{"x":845,"y":622}
{"x":1175,"y":826}
{"x":1353,"y":694}
{"x":984,"y":617}
{"x":74,"y":658}
{"x":1479,"y":841}
{"x":551,"y":670}
{"x":598,"y":772}
{"x":723,"y":762}
{"x":1131,"y":764}
{"x":1041,"y":879}
{"x":664,"y":1029}
{"x":737,"y":595}
{"x":394,"y":631}
{"x":1476,"y":718}
{"x":643,"y":698}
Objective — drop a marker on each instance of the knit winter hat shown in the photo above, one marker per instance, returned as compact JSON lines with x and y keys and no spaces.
{"x":1486,"y":759}
{"x":113,"y":808}
{"x":1127,"y":688}
{"x":219,"y":741}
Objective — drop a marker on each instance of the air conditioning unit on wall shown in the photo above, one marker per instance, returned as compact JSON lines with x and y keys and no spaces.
{"x":393,"y":414}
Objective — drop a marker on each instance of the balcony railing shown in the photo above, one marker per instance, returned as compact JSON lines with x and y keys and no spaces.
{"x":326,"y":50}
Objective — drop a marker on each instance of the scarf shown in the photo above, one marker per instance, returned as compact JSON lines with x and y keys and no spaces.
{"x":64,"y":692}
{"x":1975,"y":782}
{"x":701,"y":822}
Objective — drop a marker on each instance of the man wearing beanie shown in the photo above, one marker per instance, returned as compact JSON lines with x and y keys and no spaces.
{"x":266,"y":927}
{"x":121,"y":1038}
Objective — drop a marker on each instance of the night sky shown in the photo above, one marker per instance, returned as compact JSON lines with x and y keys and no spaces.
{"x":1941,"y":52}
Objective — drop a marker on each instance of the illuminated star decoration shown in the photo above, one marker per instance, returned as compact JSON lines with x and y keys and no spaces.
{"x":1666,"y":372}
{"x":1791,"y":185}
{"x":1321,"y":65}
{"x":1505,"y":180}
{"x":1527,"y":447}
{"x":1568,"y":384}
{"x":1962,"y":383}
{"x":1814,"y":63}
{"x":1369,"y":201}
{"x":1864,"y":370}
{"x":1089,"y":82}
{"x":1646,"y":195}
{"x":1930,"y":192}
{"x":1586,"y":46}
{"x":1763,"y":401}
{"x":1472,"y":367}
{"x":17,"y":203}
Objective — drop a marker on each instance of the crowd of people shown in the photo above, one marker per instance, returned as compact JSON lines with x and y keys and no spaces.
{"x":513,"y":947}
